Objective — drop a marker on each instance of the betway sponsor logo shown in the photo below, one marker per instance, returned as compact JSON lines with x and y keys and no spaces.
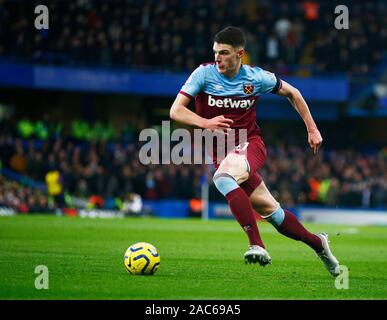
{"x":229,"y":103}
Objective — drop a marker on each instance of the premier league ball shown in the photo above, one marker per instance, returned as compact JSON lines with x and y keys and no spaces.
{"x":142,"y":259}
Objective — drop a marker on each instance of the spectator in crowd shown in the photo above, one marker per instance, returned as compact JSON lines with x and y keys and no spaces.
{"x":18,"y":161}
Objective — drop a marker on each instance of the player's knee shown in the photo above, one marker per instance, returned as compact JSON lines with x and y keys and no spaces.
{"x":268,"y":207}
{"x":236,"y":166}
{"x":225,"y":183}
{"x":275,"y":217}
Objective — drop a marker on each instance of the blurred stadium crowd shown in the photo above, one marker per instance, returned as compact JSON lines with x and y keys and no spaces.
{"x":90,"y":168}
{"x":289,"y":37}
{"x":98,"y":166}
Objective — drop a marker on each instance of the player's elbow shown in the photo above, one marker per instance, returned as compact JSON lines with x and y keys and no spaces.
{"x":173,"y":113}
{"x":294,"y":93}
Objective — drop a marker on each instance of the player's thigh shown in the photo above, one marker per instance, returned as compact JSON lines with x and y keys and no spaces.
{"x":263,"y":201}
{"x":245,"y":160}
{"x":235,"y":165}
{"x":255,"y":153}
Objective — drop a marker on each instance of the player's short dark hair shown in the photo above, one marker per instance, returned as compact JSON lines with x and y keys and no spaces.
{"x":232,"y":36}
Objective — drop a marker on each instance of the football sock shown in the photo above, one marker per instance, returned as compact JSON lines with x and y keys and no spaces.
{"x":287,"y":224}
{"x":242,"y":210}
{"x":240,"y":206}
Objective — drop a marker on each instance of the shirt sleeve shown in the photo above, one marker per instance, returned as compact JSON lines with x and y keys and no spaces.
{"x":269,"y":82}
{"x":194,"y":83}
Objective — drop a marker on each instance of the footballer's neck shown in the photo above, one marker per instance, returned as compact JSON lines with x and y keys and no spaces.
{"x":233,"y":72}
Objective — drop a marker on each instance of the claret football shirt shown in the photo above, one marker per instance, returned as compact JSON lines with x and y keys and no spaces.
{"x":234,"y":98}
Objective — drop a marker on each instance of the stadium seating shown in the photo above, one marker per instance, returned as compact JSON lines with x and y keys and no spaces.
{"x":111,"y":169}
{"x":286,"y":37}
{"x":290,"y":38}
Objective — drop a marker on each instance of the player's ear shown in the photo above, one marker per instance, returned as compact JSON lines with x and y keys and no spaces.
{"x":241,"y":53}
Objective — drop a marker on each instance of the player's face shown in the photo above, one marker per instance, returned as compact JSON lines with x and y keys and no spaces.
{"x":227,"y":58}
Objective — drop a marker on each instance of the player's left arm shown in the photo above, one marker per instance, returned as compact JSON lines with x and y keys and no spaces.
{"x":297,"y":101}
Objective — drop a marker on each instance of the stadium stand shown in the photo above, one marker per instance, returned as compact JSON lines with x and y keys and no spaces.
{"x":336,"y":177}
{"x":95,"y":160}
{"x":286,"y":37}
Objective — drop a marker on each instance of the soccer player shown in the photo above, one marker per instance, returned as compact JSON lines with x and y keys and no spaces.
{"x":226,"y":93}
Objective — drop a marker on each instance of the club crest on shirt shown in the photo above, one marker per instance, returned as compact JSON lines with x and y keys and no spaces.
{"x":248,"y":88}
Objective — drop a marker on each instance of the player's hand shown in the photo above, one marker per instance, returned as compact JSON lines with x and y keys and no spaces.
{"x":314,"y":139}
{"x":218,"y":124}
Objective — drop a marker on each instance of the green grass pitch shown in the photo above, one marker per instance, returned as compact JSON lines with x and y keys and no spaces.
{"x":199,"y":260}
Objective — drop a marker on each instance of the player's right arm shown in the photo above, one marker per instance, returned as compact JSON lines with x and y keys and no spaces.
{"x":180,"y":113}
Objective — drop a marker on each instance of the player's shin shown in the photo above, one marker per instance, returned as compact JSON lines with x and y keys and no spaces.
{"x":287,"y":224}
{"x":240,"y":207}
